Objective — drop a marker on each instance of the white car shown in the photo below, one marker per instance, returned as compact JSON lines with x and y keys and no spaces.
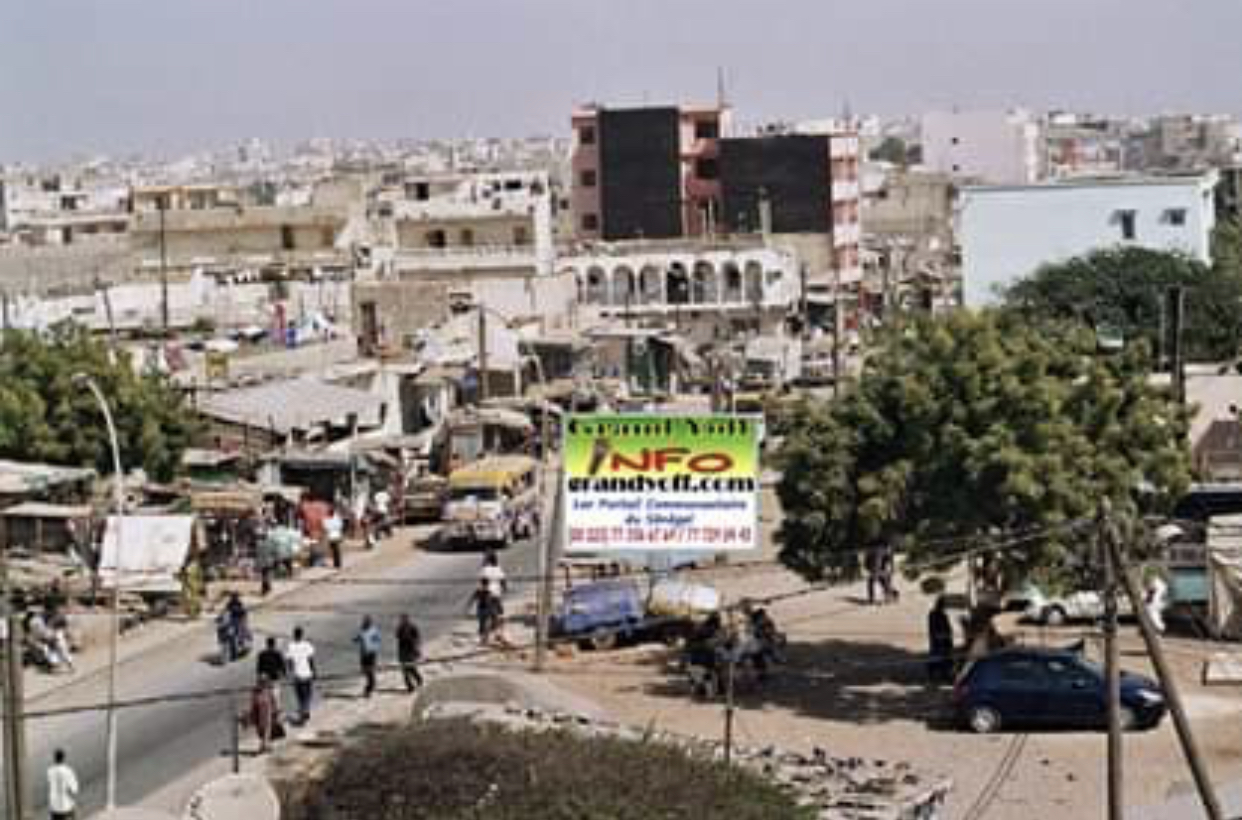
{"x":1055,"y":610}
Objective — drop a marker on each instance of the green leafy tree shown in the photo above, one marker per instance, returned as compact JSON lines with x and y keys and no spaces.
{"x":891,"y":149}
{"x":975,"y":424}
{"x":44,"y":416}
{"x":1123,"y":289}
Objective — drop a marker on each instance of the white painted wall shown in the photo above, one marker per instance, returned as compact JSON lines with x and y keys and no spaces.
{"x":1007,"y":232}
{"x":1001,"y":147}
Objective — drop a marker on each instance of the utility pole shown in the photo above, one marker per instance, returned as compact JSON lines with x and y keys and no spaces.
{"x":836,"y":330}
{"x":1177,"y":305}
{"x":547,"y":526}
{"x":163,"y":207}
{"x":235,"y":719}
{"x":482,"y":353}
{"x":16,"y":770}
{"x":1112,"y":669}
{"x":1198,"y":767}
{"x":728,"y":723}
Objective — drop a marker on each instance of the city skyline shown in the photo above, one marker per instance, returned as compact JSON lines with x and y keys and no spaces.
{"x":141,"y":76}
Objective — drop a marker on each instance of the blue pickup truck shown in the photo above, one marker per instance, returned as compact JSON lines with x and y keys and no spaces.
{"x":601,"y":614}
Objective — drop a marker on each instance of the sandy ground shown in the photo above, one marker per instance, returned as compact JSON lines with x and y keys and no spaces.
{"x":854,"y":685}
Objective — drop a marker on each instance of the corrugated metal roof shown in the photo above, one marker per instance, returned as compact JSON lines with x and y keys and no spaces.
{"x":21,"y":477}
{"x":294,"y":405}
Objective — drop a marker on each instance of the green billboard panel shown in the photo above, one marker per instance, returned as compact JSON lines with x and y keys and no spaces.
{"x":656,"y":482}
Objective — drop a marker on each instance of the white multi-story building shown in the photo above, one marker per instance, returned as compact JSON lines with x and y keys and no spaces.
{"x":1006,"y":232}
{"x":1000,"y":147}
{"x":705,"y":291}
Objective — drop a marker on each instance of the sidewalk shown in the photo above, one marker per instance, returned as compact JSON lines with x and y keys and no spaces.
{"x":151,"y":635}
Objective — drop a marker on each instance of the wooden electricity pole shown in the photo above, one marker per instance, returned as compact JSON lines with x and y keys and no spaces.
{"x":1198,"y":767}
{"x":16,"y":770}
{"x":1112,"y":669}
{"x":728,"y":715}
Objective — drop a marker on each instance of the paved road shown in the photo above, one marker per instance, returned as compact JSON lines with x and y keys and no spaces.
{"x":158,"y":744}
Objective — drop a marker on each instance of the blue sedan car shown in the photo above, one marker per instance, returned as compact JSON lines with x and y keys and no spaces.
{"x":1049,"y":688}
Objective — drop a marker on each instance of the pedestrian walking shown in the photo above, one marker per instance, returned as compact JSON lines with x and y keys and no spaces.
{"x":872,"y":560}
{"x":334,"y":529}
{"x":886,"y":575}
{"x":270,"y":663}
{"x":409,"y":652}
{"x":484,"y":604}
{"x":300,"y":655}
{"x":263,"y":713}
{"x":1156,"y":600}
{"x":494,"y":575}
{"x":62,"y":788}
{"x":368,"y":640}
{"x":940,"y":644}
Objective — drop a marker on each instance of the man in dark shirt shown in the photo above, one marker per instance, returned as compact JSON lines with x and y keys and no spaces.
{"x":940,"y":644}
{"x":271,"y":663}
{"x":409,"y":652}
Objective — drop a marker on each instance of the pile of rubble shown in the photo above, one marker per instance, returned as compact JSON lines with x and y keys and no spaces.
{"x":839,"y":788}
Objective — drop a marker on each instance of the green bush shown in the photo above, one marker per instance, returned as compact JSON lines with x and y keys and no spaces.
{"x":455,"y":769}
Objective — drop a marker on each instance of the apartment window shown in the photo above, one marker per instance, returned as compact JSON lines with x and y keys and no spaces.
{"x":1127,"y":220}
{"x":286,"y":237}
{"x":588,"y":178}
{"x":327,"y":237}
{"x":467,"y":237}
{"x":707,"y":130}
{"x":954,"y":141}
{"x":1175,"y":217}
{"x":586,"y":135}
{"x":590,"y":222}
{"x":436,"y":239}
{"x":707,"y":168}
{"x":520,"y":235}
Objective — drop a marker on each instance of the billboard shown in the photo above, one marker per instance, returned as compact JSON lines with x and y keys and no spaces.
{"x":654,"y":482}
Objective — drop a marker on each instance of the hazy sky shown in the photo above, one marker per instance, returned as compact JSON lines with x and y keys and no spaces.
{"x":171,"y":75}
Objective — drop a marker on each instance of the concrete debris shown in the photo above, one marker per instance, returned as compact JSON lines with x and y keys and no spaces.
{"x":840,"y":788}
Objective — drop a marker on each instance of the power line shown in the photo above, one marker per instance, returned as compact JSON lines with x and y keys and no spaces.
{"x":992,"y":788}
{"x":175,"y":697}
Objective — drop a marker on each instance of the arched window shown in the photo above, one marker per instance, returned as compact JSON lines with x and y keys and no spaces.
{"x":596,"y":286}
{"x":704,"y":290}
{"x":678,"y":285}
{"x":754,"y":282}
{"x":732,"y":282}
{"x":623,"y":291}
{"x":651,"y":287}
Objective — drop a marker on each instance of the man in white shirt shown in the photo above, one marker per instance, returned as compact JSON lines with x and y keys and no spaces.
{"x":334,"y":528}
{"x":62,"y":788}
{"x":494,"y":575}
{"x":300,"y":655}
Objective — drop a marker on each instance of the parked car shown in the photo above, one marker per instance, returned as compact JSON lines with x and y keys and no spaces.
{"x":1049,"y":688}
{"x":1055,"y":610}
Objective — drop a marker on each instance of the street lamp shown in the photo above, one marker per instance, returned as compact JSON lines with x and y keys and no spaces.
{"x":83,"y":380}
{"x":544,"y":599}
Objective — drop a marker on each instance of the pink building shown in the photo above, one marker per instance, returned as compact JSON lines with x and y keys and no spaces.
{"x":646,"y":172}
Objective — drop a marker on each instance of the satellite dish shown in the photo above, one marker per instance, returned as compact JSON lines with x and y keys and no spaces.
{"x":232,"y":797}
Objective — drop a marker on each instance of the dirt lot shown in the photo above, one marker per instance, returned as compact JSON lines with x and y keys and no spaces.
{"x":854,"y":685}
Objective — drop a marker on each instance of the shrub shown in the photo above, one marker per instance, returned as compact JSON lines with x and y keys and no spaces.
{"x":455,"y":769}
